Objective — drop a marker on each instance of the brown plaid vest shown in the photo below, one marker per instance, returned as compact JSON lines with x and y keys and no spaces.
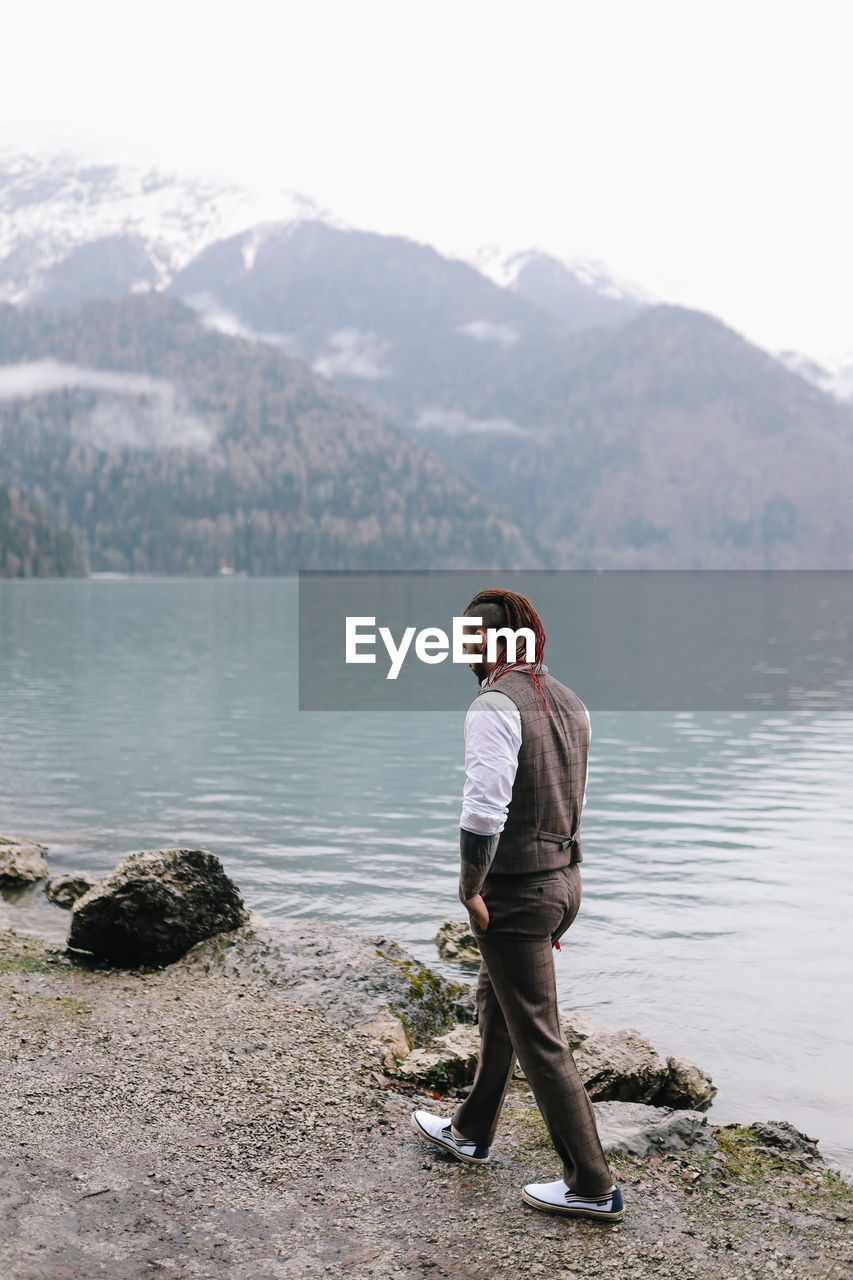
{"x":541,"y":830}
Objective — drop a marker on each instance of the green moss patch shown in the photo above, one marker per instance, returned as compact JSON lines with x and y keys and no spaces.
{"x":25,"y":955}
{"x":431,"y":1004}
{"x":750,"y":1163}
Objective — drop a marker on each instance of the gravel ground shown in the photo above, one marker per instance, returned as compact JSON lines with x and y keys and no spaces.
{"x":198,"y":1124}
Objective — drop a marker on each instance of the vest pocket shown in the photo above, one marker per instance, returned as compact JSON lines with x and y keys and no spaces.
{"x":554,"y":837}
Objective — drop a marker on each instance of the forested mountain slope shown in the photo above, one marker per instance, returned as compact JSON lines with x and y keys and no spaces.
{"x":169,"y":448}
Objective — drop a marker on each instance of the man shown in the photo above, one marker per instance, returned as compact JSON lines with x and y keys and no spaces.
{"x":526,"y":747}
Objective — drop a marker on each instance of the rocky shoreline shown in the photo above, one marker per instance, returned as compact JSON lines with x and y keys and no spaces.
{"x":241,"y":1113}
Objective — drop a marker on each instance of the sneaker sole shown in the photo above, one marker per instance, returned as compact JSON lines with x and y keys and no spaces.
{"x":570,"y":1212}
{"x":445,"y":1147}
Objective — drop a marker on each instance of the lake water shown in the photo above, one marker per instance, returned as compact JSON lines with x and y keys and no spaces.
{"x":150,"y":713}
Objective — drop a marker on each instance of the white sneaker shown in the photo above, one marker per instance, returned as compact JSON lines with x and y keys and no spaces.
{"x":558,"y":1197}
{"x":439,"y":1131}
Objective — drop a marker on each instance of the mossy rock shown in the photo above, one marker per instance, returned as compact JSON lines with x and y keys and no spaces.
{"x":353,"y":976}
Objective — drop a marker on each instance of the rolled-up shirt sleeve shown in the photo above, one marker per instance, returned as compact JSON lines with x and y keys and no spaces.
{"x":492,"y":742}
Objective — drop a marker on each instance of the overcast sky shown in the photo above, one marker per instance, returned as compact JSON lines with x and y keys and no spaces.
{"x":699,"y":148}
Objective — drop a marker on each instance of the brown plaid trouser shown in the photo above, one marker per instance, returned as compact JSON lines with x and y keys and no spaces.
{"x":518,"y":1017}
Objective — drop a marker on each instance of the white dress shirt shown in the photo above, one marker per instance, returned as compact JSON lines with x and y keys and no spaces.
{"x":492,"y":743}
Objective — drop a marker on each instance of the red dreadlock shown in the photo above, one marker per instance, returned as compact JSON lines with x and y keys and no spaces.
{"x":509,"y":609}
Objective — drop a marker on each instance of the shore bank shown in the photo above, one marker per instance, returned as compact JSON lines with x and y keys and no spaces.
{"x":220,"y":1121}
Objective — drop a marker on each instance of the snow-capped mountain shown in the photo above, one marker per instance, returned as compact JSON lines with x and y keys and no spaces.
{"x":70,"y":229}
{"x":125,"y":227}
{"x":581,"y":291}
{"x":506,"y":266}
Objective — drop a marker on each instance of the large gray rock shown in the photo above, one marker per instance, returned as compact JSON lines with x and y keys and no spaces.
{"x":686,"y":1085}
{"x":455,"y":941}
{"x":22,"y":862}
{"x":64,"y":889}
{"x":640,"y":1130}
{"x":620,"y":1066}
{"x":154,"y":906}
{"x":451,"y":1059}
{"x":623,"y":1066}
{"x":355,"y":977}
{"x":579,"y":1026}
{"x":785,"y":1140}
